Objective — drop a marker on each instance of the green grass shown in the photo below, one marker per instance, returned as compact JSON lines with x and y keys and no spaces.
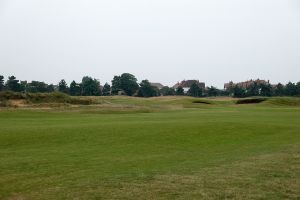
{"x":157,"y":148}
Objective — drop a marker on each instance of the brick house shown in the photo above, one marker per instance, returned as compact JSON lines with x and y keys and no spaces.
{"x":186,"y":85}
{"x":244,"y":84}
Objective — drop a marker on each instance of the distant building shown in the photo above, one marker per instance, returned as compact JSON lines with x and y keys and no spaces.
{"x":158,"y":85}
{"x":186,"y":85}
{"x":244,"y":84}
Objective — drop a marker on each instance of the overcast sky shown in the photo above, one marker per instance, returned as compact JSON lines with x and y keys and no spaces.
{"x":164,"y":41}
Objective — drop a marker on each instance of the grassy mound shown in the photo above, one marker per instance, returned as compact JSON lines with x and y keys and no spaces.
{"x":8,"y":95}
{"x":284,"y":101}
{"x":11,"y":99}
{"x":39,"y":98}
{"x":275,"y":101}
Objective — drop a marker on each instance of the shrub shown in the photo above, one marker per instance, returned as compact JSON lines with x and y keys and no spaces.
{"x":4,"y":103}
{"x":8,"y":95}
{"x":55,"y":97}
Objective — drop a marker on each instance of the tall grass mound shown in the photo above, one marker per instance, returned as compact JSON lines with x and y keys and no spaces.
{"x":8,"y":95}
{"x":39,"y":98}
{"x":55,"y":97}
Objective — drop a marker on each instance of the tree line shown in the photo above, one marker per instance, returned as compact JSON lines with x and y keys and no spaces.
{"x":265,"y":89}
{"x":127,"y":84}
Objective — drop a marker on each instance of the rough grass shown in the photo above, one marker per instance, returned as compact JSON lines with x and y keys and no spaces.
{"x":284,"y":101}
{"x":8,"y":99}
{"x":11,"y":99}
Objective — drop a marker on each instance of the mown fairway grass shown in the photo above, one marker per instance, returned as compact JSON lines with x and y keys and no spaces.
{"x":195,"y":152}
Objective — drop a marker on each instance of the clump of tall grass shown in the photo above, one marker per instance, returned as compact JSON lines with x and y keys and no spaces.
{"x":8,"y":95}
{"x":55,"y":97}
{"x":4,"y":103}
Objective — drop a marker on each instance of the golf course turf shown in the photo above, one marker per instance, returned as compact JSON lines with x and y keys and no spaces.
{"x":158,"y":148}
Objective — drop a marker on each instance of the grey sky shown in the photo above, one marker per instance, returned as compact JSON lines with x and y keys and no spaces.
{"x":162,"y":40}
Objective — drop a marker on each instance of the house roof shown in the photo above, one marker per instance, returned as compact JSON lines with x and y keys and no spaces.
{"x":245,"y":84}
{"x":189,"y":83}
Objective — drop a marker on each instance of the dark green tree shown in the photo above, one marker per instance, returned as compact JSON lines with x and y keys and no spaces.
{"x":279,"y":90}
{"x":147,"y":90}
{"x":1,"y":83}
{"x":238,"y":92}
{"x":253,"y":90}
{"x":166,"y":91}
{"x":63,"y":87}
{"x":298,"y":88}
{"x":23,"y":86}
{"x":75,"y":89}
{"x":116,"y":85}
{"x":37,"y":86}
{"x":195,"y":91}
{"x":225,"y":93}
{"x":13,"y":84}
{"x":179,"y":91}
{"x":106,"y":90}
{"x":50,"y":88}
{"x":129,"y":84}
{"x":90,"y":87}
{"x":290,"y":89}
{"x":32,"y":87}
{"x":212,"y":91}
{"x":265,"y":90}
{"x":126,"y":83}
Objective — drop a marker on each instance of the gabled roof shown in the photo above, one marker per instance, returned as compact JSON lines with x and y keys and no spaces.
{"x":189,"y":83}
{"x":245,"y":84}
